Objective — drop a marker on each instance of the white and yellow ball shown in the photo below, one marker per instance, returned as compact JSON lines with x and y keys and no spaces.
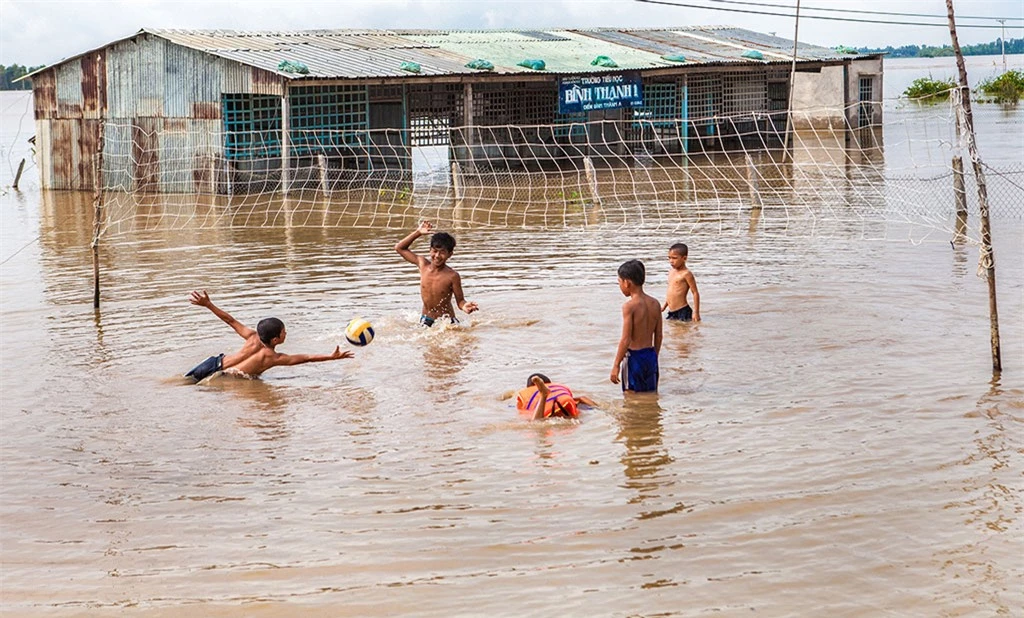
{"x":359,"y":332}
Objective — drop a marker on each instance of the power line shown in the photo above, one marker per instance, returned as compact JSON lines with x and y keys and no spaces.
{"x":865,"y":12}
{"x":845,"y":19}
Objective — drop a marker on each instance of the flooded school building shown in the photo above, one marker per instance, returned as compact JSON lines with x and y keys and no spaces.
{"x":181,"y":111}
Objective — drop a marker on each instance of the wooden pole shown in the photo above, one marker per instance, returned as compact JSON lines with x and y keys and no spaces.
{"x":97,"y":218}
{"x":959,"y":197}
{"x":753,"y":183}
{"x":588,"y":166}
{"x":322,"y":164}
{"x":459,"y":214}
{"x":987,"y":259}
{"x":792,"y":78}
{"x":17,"y":177}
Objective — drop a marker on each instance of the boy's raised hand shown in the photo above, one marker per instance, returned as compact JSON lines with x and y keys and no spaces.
{"x":199,"y":298}
{"x":425,"y":227}
{"x":339,"y":354}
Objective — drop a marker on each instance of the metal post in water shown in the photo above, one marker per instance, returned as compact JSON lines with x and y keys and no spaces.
{"x":97,"y":201}
{"x":987,"y":259}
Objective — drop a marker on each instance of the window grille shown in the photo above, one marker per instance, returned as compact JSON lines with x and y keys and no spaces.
{"x":743,"y":93}
{"x":252,"y":126}
{"x":704,"y":99}
{"x":323,"y":118}
{"x":433,"y":109}
{"x":778,"y":95}
{"x":867,"y":87}
{"x":661,"y":108}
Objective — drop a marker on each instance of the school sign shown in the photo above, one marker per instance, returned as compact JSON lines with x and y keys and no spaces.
{"x":585,"y":93}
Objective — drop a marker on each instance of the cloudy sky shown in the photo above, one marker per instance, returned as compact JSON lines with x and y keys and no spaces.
{"x":34,"y":32}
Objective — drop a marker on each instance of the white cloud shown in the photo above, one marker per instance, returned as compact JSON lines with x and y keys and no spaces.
{"x":44,"y":31}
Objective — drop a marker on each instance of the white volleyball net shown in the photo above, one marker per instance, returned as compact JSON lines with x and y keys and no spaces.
{"x":836,"y":173}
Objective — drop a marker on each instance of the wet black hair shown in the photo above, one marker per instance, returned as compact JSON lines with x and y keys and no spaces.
{"x":269,"y":328}
{"x":633,"y":270}
{"x":680,"y":248}
{"x":443,"y":240}
{"x":543,"y":378}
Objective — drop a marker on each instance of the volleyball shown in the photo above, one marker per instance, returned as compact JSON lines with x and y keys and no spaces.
{"x":359,"y":332}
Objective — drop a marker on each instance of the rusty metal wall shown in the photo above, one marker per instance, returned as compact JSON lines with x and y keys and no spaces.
{"x":69,"y":90}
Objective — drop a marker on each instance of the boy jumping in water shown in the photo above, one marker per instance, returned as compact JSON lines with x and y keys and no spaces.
{"x":438,"y":281}
{"x":680,"y":283}
{"x":257,"y":353}
{"x":640,"y":343}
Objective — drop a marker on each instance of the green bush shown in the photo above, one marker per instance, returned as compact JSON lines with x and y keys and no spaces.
{"x":1007,"y":88}
{"x":929,"y":89}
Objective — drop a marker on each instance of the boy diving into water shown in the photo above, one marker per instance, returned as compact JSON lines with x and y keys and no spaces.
{"x":257,"y":353}
{"x":438,"y":281}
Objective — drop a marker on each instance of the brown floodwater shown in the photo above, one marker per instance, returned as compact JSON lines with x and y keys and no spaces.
{"x":830,"y":440}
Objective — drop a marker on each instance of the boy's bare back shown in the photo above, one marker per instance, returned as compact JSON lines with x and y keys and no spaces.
{"x":642,"y":314}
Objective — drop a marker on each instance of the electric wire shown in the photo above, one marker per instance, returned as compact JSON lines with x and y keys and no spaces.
{"x":862,"y":11}
{"x":844,"y":19}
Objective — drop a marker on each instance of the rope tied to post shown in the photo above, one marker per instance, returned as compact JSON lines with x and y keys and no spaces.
{"x":985,"y":260}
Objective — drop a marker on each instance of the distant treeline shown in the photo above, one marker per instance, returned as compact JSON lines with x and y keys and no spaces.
{"x":1013,"y":46}
{"x":13,"y":72}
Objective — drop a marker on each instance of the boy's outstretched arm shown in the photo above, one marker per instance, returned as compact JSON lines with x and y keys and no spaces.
{"x":620,"y":352}
{"x":299,"y":359}
{"x":403,"y":245}
{"x":696,"y":296}
{"x":203,"y":300}
{"x":460,"y":299}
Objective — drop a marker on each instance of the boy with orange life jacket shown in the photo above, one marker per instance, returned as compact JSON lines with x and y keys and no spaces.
{"x":543,"y":399}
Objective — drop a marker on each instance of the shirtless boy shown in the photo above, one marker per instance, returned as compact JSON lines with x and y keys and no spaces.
{"x":637,"y":355}
{"x":438,"y":281}
{"x":681,"y":283}
{"x":257,"y":353}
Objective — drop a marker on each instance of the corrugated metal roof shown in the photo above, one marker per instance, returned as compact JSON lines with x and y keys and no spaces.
{"x":354,"y":54}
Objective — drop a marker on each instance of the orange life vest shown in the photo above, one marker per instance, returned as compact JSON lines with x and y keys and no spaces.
{"x":560,"y":401}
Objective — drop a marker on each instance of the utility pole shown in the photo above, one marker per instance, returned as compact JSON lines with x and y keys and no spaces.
{"x":1002,"y":40}
{"x":987,"y":259}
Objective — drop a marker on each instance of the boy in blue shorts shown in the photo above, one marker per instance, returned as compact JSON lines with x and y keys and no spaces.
{"x":636,"y":359}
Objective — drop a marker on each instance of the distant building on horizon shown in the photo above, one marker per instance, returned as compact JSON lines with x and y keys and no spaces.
{"x":199,"y":110}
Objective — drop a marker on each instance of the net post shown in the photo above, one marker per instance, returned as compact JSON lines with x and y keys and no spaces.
{"x":285,"y":145}
{"x":457,"y":187}
{"x":753,"y":182}
{"x":986,"y":259}
{"x":588,"y":166}
{"x":959,"y":197}
{"x":97,"y":202}
{"x":322,"y":165}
